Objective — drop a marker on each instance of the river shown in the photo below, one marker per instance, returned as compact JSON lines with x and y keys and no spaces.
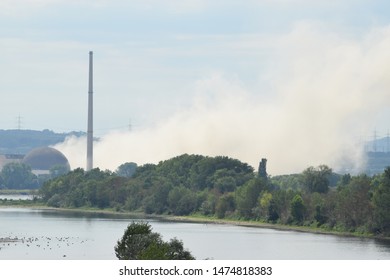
{"x":51,"y":234}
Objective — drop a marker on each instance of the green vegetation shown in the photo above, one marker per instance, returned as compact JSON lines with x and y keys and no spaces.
{"x":225,"y":188}
{"x":19,"y":176}
{"x":20,"y":202}
{"x":17,"y":192}
{"x":127,"y":169}
{"x":140,"y":243}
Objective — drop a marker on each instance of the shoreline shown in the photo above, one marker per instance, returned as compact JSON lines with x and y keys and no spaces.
{"x":201,"y":219}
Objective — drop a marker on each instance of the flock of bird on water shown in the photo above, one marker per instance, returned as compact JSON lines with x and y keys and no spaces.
{"x":43,"y":242}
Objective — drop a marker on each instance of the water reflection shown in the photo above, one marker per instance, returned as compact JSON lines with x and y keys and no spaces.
{"x":74,"y":214}
{"x":51,"y":234}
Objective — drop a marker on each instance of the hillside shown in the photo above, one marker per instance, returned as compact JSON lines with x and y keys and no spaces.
{"x":22,"y":141}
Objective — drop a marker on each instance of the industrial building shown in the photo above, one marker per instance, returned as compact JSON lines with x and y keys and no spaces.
{"x":41,"y":160}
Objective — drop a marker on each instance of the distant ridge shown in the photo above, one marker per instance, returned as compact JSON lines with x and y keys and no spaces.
{"x":20,"y":141}
{"x":381,"y":145}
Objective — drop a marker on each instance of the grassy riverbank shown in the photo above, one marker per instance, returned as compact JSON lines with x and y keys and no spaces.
{"x":259,"y":224}
{"x":17,"y":192}
{"x":191,"y":218}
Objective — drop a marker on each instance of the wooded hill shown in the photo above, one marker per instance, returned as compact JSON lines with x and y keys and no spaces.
{"x":223,"y":187}
{"x":20,"y":141}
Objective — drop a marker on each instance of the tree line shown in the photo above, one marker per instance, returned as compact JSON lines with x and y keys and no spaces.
{"x":19,"y":176}
{"x":223,"y":187}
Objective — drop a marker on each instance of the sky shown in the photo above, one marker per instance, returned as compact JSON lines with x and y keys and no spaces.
{"x":299,"y":82}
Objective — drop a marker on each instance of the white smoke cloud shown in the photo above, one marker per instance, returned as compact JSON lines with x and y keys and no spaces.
{"x":323,"y":91}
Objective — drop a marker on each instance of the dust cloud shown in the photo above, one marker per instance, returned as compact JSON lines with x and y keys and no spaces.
{"x":323,"y":91}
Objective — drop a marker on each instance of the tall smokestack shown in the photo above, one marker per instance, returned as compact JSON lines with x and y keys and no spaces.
{"x":90,"y":115}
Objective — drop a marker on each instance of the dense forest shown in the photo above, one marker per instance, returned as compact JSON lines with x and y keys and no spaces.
{"x":223,"y":187}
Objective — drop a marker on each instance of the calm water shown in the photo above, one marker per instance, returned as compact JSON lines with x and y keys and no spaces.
{"x":47,"y":234}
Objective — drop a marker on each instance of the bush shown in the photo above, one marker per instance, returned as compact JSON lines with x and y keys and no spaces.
{"x":140,"y":243}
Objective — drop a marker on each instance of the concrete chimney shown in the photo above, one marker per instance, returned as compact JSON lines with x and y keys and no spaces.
{"x":90,"y":115}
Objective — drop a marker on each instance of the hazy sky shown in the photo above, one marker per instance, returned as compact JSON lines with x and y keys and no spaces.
{"x":299,"y":82}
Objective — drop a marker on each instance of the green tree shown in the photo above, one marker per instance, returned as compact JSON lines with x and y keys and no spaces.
{"x":285,"y":182}
{"x":208,"y":204}
{"x":354,"y":206}
{"x":127,"y":169}
{"x":172,"y":250}
{"x":181,"y":201}
{"x":297,"y":209}
{"x":18,"y":176}
{"x":273,"y":214}
{"x":156,"y":202}
{"x":247,"y":196}
{"x":264,"y":204}
{"x":317,"y":179}
{"x":58,"y":170}
{"x":381,"y":202}
{"x":280,"y":205}
{"x":225,"y":184}
{"x":316,"y":208}
{"x":225,"y":204}
{"x":140,"y":243}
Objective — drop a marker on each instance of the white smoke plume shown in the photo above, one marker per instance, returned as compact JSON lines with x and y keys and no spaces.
{"x":323,"y":91}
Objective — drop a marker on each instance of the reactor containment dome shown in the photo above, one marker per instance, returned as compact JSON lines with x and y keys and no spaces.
{"x":41,"y":160}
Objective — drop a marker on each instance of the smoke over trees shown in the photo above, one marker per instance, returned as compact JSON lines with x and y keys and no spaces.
{"x":227,"y":188}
